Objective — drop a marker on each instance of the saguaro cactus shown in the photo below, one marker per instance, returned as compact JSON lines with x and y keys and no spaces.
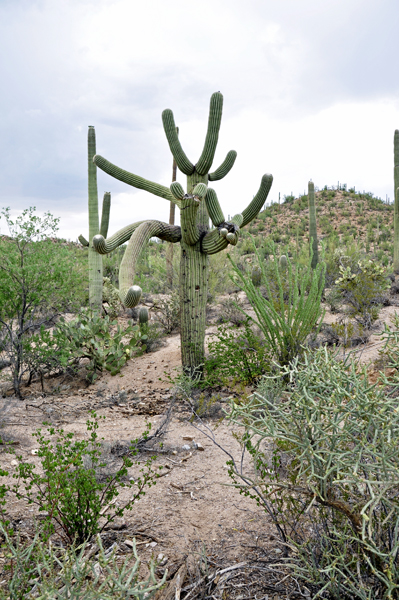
{"x":95,"y":259}
{"x":396,"y":206}
{"x":197,"y":242}
{"x":312,"y":225}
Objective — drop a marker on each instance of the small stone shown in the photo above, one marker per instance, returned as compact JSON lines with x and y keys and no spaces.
{"x":14,"y":463}
{"x":153,"y":544}
{"x":189,"y":438}
{"x":160,"y":556}
{"x":128,"y":543}
{"x":34,"y":451}
{"x":185,"y":447}
{"x":174,"y":452}
{"x":200,"y":447}
{"x":277,"y":550}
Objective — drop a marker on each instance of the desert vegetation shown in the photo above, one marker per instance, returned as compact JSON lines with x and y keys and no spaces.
{"x":289,"y":308}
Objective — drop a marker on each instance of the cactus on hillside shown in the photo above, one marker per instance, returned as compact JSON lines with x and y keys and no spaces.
{"x":95,"y":259}
{"x":312,"y":225}
{"x":283,"y":263}
{"x":256,"y":275}
{"x":396,"y":206}
{"x":197,"y":241}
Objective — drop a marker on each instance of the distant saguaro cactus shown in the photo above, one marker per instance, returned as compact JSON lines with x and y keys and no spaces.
{"x":256,"y":275}
{"x":312,"y":225}
{"x":283,"y":263}
{"x":396,"y":205}
{"x":95,"y":259}
{"x":197,"y":242}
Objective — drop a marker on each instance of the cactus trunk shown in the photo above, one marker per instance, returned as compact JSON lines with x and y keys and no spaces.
{"x":193,"y":297}
{"x":312,"y":225}
{"x":95,"y":259}
{"x":396,"y":206}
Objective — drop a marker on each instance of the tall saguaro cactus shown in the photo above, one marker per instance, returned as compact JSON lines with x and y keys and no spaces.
{"x":95,"y":259}
{"x":396,"y":206}
{"x":197,"y":242}
{"x":312,"y":225}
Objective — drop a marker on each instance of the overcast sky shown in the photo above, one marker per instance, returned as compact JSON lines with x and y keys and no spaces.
{"x":311,"y":91}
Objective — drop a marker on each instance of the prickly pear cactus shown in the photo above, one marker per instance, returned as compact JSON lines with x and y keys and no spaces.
{"x":95,"y":259}
{"x":256,"y":275}
{"x":396,"y":196}
{"x":312,"y":225}
{"x":197,"y":203}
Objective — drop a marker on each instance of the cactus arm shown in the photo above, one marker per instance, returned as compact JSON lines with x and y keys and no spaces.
{"x":237,"y":220}
{"x":83,"y":241}
{"x":188,"y":219}
{"x":396,"y":202}
{"x":133,"y":180}
{"x":170,"y":233}
{"x":105,"y":214}
{"x":178,"y":153}
{"x":312,"y":225}
{"x":95,"y":261}
{"x":218,"y":239}
{"x":130,"y":294}
{"x":215,"y":116}
{"x":177,"y":191}
{"x":224,"y":168}
{"x":255,"y":206}
{"x":214,"y":210}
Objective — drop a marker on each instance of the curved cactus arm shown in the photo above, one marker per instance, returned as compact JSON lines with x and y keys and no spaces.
{"x":218,"y":239}
{"x":178,"y":192}
{"x":224,"y":168}
{"x":215,"y":117}
{"x":184,"y":164}
{"x":214,"y":210}
{"x":130,"y":294}
{"x":105,"y":214}
{"x":188,"y":219}
{"x":255,"y":206}
{"x":237,"y":220}
{"x":133,"y":180}
{"x":170,"y":233}
{"x":83,"y":241}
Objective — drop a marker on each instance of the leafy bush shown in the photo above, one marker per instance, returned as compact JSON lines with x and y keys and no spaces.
{"x":67,"y":489}
{"x":328,"y":475}
{"x":168,"y":312}
{"x":286,"y":320}
{"x":236,"y":356}
{"x":363,"y":290}
{"x":46,"y":572}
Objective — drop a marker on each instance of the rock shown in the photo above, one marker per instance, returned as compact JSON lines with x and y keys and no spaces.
{"x":200,"y":447}
{"x":189,"y":438}
{"x":185,"y":447}
{"x":34,"y":451}
{"x":14,"y":463}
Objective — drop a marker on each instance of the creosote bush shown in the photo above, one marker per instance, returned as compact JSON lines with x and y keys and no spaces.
{"x":325,"y":450}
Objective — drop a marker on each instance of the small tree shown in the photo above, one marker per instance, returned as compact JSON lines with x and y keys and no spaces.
{"x":38,"y":279}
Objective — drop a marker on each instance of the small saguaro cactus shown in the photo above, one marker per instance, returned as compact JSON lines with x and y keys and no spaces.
{"x":396,"y":205}
{"x":143,"y":320}
{"x":283,"y":263}
{"x":95,"y":259}
{"x":256,"y":275}
{"x":312,"y":225}
{"x":197,"y":241}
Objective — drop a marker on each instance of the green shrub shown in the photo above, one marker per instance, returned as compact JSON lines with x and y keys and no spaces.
{"x":68,"y":491}
{"x":236,"y":356}
{"x":326,"y":456}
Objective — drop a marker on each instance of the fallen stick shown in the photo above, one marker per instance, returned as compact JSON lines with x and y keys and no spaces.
{"x":173,"y":591}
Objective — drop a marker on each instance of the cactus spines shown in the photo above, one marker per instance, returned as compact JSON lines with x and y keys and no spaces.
{"x":196,"y":240}
{"x":312,"y":225}
{"x":225,"y":167}
{"x":283,"y":262}
{"x":396,"y":205}
{"x":256,"y":275}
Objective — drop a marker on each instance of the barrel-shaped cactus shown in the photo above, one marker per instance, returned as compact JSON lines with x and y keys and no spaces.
{"x":197,"y":204}
{"x":143,"y":320}
{"x":283,"y":263}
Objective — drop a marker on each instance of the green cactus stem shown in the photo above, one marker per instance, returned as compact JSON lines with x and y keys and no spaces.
{"x":196,"y":240}
{"x":224,"y":168}
{"x":396,"y":205}
{"x":283,"y":263}
{"x":95,"y":260}
{"x":312,"y":225}
{"x":105,"y":214}
{"x":143,"y":320}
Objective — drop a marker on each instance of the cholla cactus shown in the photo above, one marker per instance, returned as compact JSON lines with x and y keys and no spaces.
{"x":396,"y":196}
{"x":312,"y":225}
{"x":95,"y":259}
{"x":197,"y":204}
